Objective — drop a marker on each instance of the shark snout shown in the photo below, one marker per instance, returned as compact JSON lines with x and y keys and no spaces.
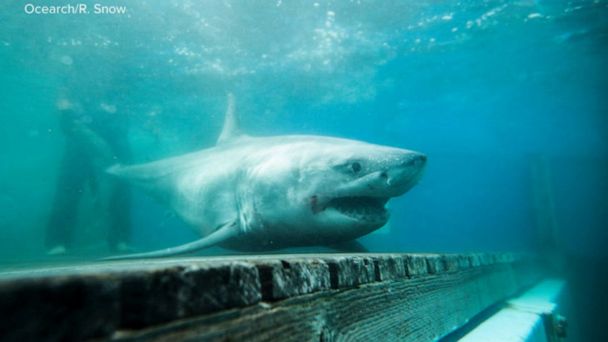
{"x":418,"y":160}
{"x":412,"y":160}
{"x":392,"y":178}
{"x":403,"y":175}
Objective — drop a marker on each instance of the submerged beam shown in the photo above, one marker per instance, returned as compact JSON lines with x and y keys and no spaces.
{"x":326,"y":297}
{"x":531,"y":317}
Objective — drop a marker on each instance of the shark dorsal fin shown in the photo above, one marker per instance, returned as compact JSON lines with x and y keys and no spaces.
{"x":231,"y":124}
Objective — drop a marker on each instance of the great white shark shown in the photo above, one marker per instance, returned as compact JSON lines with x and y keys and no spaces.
{"x":267,"y":193}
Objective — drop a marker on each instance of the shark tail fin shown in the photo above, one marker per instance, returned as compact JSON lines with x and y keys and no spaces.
{"x":224,"y":233}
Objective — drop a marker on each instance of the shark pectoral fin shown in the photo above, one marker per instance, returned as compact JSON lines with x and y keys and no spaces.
{"x":352,"y":246}
{"x":224,"y":233}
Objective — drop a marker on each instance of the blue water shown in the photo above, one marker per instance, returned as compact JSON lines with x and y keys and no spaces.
{"x":489,"y":90}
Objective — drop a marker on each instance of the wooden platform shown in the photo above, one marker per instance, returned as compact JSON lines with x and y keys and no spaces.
{"x":331,"y":297}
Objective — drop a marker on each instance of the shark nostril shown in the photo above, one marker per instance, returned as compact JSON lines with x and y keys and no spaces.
{"x":383,"y":175}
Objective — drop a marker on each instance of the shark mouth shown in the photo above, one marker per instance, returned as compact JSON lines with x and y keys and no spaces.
{"x":360,"y":208}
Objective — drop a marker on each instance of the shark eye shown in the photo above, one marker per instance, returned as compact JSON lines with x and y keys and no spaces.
{"x":356,"y":167}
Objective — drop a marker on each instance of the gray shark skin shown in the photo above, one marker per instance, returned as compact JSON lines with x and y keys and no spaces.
{"x":267,"y":193}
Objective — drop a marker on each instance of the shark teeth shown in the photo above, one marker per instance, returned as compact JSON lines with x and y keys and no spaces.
{"x":360,"y":207}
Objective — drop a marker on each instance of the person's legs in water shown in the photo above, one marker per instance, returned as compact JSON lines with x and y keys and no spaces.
{"x":119,"y":207}
{"x":119,"y":216}
{"x":74,"y":172}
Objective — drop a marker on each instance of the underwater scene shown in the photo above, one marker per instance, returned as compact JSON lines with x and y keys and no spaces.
{"x":255,"y":127}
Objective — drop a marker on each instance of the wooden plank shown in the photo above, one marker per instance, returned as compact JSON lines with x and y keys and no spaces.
{"x":280,"y":297}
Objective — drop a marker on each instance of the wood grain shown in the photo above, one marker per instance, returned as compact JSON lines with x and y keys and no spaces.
{"x":331,"y":297}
